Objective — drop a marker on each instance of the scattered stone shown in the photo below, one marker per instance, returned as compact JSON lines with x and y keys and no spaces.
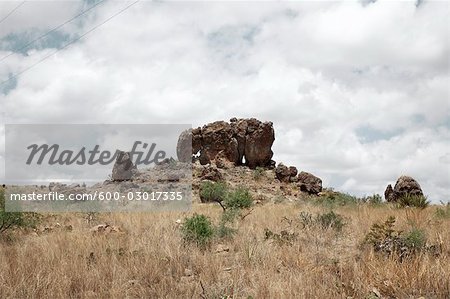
{"x":309,"y":183}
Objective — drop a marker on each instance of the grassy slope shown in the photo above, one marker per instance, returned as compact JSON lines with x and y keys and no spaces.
{"x":149,"y":259}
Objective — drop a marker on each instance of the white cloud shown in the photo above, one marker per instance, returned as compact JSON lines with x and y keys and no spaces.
{"x":319,"y":71}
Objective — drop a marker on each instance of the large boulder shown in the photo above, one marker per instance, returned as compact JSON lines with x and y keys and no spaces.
{"x":309,"y":183}
{"x":285,"y":174}
{"x":405,"y":186}
{"x":123,"y":167}
{"x":218,"y":137}
{"x":258,"y":143}
{"x":248,"y":140}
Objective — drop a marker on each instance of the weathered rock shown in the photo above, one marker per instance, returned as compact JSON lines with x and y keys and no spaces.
{"x":241,"y":139}
{"x":258,"y":143}
{"x":218,"y":137}
{"x":211,"y":173}
{"x":285,"y":174}
{"x":309,"y":183}
{"x":293,"y":171}
{"x":184,"y":146}
{"x":389,"y":193}
{"x":405,"y":186}
{"x":123,"y":167}
{"x":282,"y":173}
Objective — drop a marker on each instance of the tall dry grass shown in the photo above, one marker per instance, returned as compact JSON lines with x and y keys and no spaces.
{"x":149,"y":260}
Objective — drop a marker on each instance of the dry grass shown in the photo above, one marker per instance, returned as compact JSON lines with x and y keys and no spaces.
{"x":149,"y":260}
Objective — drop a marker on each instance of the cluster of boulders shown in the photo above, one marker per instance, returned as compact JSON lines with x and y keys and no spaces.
{"x":241,"y":142}
{"x":245,"y":142}
{"x":405,"y":186}
{"x":306,"y":181}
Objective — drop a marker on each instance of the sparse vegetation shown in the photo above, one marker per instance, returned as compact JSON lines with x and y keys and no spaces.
{"x":444,"y":212}
{"x":330,"y":220}
{"x":384,"y":238}
{"x":258,"y":173}
{"x":282,"y":238}
{"x":374,"y":199}
{"x":333,"y":199}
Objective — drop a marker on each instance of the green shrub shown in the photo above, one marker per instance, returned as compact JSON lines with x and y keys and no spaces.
{"x":415,"y":239}
{"x":414,"y":201}
{"x":384,"y":238}
{"x":213,"y":192}
{"x":330,"y":220}
{"x":198,"y":229}
{"x":238,"y":199}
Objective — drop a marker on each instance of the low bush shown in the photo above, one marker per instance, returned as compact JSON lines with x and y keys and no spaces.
{"x":198,"y":229}
{"x":385,"y":239}
{"x":330,"y":220}
{"x":238,"y":199}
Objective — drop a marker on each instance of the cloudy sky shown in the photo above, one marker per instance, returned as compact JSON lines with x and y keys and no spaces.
{"x":358,"y":91}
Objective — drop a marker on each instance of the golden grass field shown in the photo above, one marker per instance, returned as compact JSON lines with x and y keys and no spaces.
{"x":148,"y":258}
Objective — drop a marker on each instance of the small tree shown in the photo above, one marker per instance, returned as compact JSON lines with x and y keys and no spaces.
{"x":213,"y":192}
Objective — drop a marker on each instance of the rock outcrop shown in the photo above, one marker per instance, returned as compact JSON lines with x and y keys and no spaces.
{"x":242,"y":142}
{"x":286,"y":174}
{"x":405,"y":186}
{"x":123,"y":167}
{"x":309,"y":183}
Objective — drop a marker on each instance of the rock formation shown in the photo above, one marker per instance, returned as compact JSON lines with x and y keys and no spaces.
{"x":405,"y":186}
{"x":123,"y":167}
{"x":286,"y":174}
{"x":242,"y":142}
{"x":309,"y":183}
